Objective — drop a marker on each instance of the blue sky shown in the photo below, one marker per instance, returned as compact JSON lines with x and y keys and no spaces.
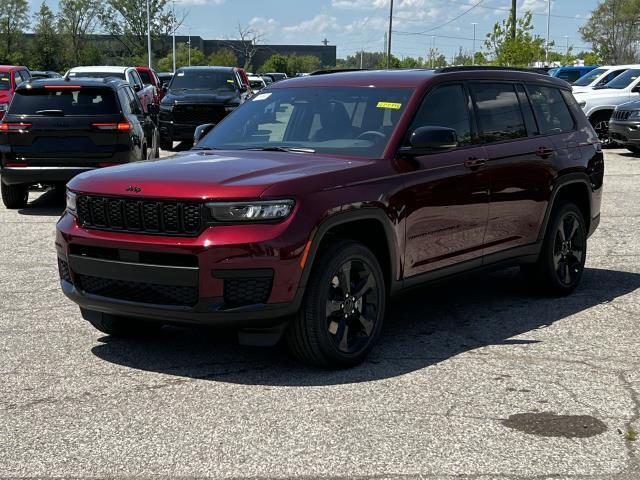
{"x":353,"y":25}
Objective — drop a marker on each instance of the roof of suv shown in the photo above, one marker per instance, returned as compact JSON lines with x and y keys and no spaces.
{"x":82,"y":82}
{"x":11,"y":68}
{"x":100,"y":68}
{"x":415,"y":78}
{"x":219,"y":69}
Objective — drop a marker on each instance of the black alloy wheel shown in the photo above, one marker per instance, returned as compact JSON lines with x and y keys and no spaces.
{"x":353,"y":303}
{"x":569,"y":249}
{"x":343,"y":308}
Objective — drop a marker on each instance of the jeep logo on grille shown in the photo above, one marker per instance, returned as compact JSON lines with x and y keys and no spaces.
{"x":132,"y":188}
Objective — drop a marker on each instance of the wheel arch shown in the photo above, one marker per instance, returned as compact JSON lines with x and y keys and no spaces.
{"x":372,"y":228}
{"x":575,"y":187}
{"x":601,"y":110}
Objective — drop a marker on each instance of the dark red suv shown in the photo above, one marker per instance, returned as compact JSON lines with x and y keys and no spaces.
{"x":305,"y":209}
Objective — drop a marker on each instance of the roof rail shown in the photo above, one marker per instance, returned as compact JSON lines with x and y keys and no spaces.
{"x":489,"y":68}
{"x":336,"y":70}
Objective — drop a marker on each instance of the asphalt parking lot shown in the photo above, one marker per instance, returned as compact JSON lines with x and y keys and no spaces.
{"x":473,"y":379}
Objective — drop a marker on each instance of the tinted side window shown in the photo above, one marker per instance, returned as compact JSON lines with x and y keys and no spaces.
{"x":570,"y":76}
{"x":124,"y":101}
{"x":134,"y":103}
{"x":550,"y":109}
{"x":446,"y":106}
{"x":499,"y":114}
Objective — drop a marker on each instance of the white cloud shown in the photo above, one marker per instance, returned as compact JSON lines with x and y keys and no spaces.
{"x":321,"y":23}
{"x":265,"y":26}
{"x":201,"y":2}
{"x":534,"y":5}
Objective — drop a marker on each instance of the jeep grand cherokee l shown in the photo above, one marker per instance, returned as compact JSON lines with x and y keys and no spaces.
{"x":321,"y":197}
{"x":198,"y":95}
{"x":56,"y":129}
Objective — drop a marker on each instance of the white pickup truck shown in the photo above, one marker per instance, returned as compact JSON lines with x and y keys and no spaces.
{"x":598,"y":104}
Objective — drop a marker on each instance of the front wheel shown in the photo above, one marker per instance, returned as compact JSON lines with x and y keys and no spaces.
{"x":343,"y":310}
{"x":560,"y":266}
{"x":15,"y":196}
{"x":600,"y":123}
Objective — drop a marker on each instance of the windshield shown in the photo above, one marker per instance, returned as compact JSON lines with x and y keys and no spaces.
{"x":50,"y":101}
{"x":203,"y":80}
{"x":624,"y":79}
{"x":590,"y":77}
{"x":256,"y":84}
{"x":355,"y":121}
{"x":5,"y":81}
{"x":96,"y":75}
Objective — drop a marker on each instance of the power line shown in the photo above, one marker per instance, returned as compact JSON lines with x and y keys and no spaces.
{"x":453,"y":19}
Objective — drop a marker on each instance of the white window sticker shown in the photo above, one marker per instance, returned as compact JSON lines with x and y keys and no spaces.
{"x":181,"y":74}
{"x":262,"y":96}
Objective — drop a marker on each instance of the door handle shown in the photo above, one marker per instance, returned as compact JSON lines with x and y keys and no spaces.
{"x":544,"y":152}
{"x":474,"y":163}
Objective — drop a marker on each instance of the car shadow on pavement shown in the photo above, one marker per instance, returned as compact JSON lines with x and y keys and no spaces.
{"x":424,"y":327}
{"x":51,"y":203}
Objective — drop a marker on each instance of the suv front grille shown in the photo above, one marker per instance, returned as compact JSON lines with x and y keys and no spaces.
{"x":198,"y":114}
{"x":63,"y":270}
{"x":621,"y":115}
{"x":139,"y":216}
{"x":140,"y":292}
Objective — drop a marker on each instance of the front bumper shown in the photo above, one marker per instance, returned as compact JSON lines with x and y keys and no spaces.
{"x":625,"y":132}
{"x":44,"y":175}
{"x":176,"y":131}
{"x":222,"y":258}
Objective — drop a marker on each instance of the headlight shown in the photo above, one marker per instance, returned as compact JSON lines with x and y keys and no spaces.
{"x":251,"y":211}
{"x":71,"y":202}
{"x":635,"y":114}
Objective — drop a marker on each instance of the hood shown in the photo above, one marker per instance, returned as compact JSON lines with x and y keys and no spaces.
{"x":177,"y":97}
{"x":635,"y":105}
{"x":601,"y":93}
{"x":581,"y":89}
{"x":208,"y":174}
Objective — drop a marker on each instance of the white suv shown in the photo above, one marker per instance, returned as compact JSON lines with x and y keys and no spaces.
{"x":599,"y":77}
{"x":598,"y":104}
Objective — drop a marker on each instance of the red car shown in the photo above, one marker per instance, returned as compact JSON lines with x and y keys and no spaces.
{"x":308,"y":206}
{"x":10,"y":77}
{"x":150,"y":77}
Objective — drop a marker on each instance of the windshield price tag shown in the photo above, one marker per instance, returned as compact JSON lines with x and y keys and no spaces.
{"x":391,"y":105}
{"x":262,"y":96}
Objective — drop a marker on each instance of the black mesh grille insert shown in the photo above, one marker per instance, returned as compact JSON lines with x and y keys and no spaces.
{"x":141,"y":216}
{"x":63,"y":270}
{"x":621,"y":114}
{"x":140,"y":292}
{"x":246,"y":291}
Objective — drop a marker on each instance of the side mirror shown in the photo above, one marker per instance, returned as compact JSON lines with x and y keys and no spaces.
{"x":636,"y":89}
{"x":137,"y":88}
{"x":201,"y":131}
{"x":244,"y":88}
{"x":425,"y":140}
{"x":165,"y":87}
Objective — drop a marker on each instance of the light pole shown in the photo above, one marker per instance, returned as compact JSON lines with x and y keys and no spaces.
{"x":566,"y":37}
{"x":546,"y":53}
{"x":389,"y":42}
{"x":173,"y":21}
{"x":148,"y":34}
{"x":189,"y":46}
{"x":473,"y":58}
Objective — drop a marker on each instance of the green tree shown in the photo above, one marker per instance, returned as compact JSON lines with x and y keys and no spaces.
{"x":480,"y":59}
{"x":590,"y":58}
{"x":463,"y":58}
{"x":45,"y":50}
{"x":275,"y":63}
{"x":126,"y":20}
{"x":411,"y":62}
{"x":14,"y":20}
{"x":394,"y":62}
{"x":521,"y":51}
{"x":223,"y":57}
{"x":613,"y":30}
{"x":77,"y":21}
{"x":435,"y":59}
{"x":302,"y":64}
{"x":368,"y":60}
{"x":165,"y":64}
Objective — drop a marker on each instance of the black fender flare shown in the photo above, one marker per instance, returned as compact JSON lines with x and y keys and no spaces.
{"x":562,"y":182}
{"x":369,"y":213}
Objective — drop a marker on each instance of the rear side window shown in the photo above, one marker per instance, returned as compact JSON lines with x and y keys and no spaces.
{"x":550,"y":109}
{"x":446,"y":106}
{"x":86,"y":101}
{"x":570,"y":76}
{"x":499,"y":114}
{"x":146,"y":78}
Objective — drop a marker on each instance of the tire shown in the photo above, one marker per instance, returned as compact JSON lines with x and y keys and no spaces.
{"x":166,"y":144}
{"x":123,"y":327}
{"x":15,"y":196}
{"x":600,"y":123}
{"x":344,"y":337}
{"x":560,"y":266}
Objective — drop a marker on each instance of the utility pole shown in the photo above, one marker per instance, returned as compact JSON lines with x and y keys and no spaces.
{"x":514,"y":5}
{"x":433,"y":52}
{"x":389,"y":41}
{"x":385,"y":41}
{"x":173,"y":13}
{"x":149,"y":34}
{"x":473,"y":58}
{"x":189,"y":46}
{"x":566,"y":37}
{"x":361,"y":58}
{"x":546,"y":53}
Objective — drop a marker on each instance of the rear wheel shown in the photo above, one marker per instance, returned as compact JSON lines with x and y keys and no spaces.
{"x":343,"y":310}
{"x":600,"y":123}
{"x":15,"y":196}
{"x":123,"y":327}
{"x":560,"y":266}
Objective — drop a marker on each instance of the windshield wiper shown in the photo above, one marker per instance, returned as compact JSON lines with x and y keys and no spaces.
{"x":50,"y":112}
{"x":204,"y":148}
{"x":282,"y":149}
